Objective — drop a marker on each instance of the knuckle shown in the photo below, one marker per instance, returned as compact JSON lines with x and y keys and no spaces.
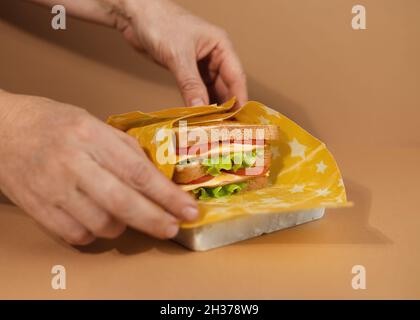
{"x":223,"y":33}
{"x":60,"y":197}
{"x":170,"y":57}
{"x":168,"y":54}
{"x":190,"y":84}
{"x":139,"y":175}
{"x":83,"y":129}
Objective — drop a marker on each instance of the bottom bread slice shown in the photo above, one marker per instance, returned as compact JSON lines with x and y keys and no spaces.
{"x":243,"y":227}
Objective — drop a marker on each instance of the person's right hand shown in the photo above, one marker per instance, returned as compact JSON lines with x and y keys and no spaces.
{"x":81,"y":178}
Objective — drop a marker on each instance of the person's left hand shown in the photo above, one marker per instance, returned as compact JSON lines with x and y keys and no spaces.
{"x":199,"y":54}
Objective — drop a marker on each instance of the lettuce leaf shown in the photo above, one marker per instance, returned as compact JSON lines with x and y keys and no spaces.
{"x":219,"y":192}
{"x":233,"y":161}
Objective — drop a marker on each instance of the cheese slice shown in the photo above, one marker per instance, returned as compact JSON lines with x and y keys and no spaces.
{"x":224,"y":178}
{"x":222,"y":149}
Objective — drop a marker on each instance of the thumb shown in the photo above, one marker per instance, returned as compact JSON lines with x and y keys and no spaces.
{"x":189,"y":81}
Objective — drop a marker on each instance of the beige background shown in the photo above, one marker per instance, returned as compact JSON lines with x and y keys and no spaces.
{"x":356,"y":90}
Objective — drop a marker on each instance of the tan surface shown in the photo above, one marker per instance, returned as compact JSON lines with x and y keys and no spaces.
{"x":356,"y":90}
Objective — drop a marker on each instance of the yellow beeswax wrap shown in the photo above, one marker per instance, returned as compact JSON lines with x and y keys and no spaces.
{"x":303,"y":173}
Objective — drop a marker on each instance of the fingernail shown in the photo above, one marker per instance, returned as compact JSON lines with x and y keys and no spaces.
{"x":172,"y":230}
{"x":190,"y":213}
{"x":197,"y":102}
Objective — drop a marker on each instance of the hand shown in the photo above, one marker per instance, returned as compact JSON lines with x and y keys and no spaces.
{"x":199,"y":54}
{"x":81,"y":178}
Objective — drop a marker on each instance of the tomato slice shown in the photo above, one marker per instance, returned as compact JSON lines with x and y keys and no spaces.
{"x":201,"y":179}
{"x":239,"y":172}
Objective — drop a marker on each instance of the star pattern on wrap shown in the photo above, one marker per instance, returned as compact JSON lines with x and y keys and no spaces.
{"x":323,"y":192}
{"x":264,"y":120}
{"x":272,"y":112}
{"x":297,"y":188}
{"x":321,"y":167}
{"x":297,"y":149}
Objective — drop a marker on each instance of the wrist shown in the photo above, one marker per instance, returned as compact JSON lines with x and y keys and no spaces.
{"x":143,"y":9}
{"x":125,"y":9}
{"x":13,"y":105}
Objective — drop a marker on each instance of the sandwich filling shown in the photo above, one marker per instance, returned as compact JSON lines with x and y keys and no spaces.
{"x":222,"y":172}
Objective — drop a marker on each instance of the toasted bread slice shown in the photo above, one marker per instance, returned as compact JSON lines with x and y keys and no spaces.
{"x":256,"y":183}
{"x":232,"y":131}
{"x":187,"y":173}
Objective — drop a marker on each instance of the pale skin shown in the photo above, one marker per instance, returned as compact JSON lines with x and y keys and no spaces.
{"x":82,"y":179}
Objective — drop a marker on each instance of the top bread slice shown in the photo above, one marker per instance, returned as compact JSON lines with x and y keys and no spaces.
{"x":230,"y":131}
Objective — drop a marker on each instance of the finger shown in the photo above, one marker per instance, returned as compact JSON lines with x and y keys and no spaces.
{"x":59,"y":222}
{"x":123,"y":202}
{"x":217,"y":90}
{"x":92,"y":216}
{"x":137,"y":170}
{"x":232,"y":73}
{"x":193,"y":90}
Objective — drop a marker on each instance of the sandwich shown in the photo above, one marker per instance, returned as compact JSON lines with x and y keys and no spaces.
{"x":232,"y":158}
